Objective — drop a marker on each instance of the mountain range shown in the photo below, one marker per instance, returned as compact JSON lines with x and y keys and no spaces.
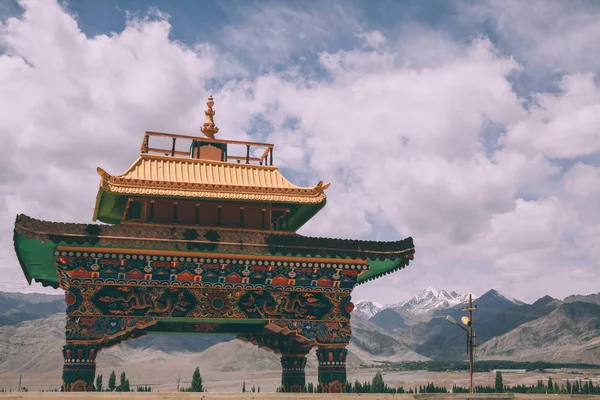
{"x":505,"y":328}
{"x":413,"y":330}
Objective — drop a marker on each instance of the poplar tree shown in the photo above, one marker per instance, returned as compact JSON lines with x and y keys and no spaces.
{"x":112,"y":381}
{"x":121,"y":387}
{"x":378,"y":386}
{"x":197,"y":381}
{"x":99,"y":383}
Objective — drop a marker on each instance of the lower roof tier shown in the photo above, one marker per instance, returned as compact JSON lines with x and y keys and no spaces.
{"x":37,"y":241}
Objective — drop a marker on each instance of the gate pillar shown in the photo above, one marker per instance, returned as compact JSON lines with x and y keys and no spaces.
{"x":79,"y":368}
{"x":293,"y":377}
{"x":332,"y":369}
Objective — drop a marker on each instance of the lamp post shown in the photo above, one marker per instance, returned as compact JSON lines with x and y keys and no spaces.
{"x":470,"y":335}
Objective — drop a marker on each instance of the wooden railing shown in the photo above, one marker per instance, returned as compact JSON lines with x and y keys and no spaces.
{"x":266,"y":157}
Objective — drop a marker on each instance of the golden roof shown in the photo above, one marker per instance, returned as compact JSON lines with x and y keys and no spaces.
{"x":155,"y":175}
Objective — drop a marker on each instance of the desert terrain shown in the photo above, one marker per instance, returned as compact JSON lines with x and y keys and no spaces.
{"x":164,"y":377}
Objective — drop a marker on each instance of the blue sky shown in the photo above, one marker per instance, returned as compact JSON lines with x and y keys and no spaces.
{"x":470,"y":125}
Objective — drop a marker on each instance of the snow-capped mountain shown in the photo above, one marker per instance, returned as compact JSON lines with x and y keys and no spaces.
{"x":497,"y":294}
{"x":432,"y":299}
{"x":367,"y":308}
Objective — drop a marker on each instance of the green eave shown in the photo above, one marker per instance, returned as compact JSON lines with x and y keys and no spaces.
{"x":37,"y":262}
{"x":36,"y":259}
{"x":302,"y":213}
{"x":111,"y":206}
{"x":36,"y":241}
{"x":378,"y":268}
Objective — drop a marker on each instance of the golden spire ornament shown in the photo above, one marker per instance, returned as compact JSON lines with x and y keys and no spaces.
{"x":209,"y":128}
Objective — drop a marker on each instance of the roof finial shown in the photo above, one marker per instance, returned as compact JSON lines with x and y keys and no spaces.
{"x":209,"y":128}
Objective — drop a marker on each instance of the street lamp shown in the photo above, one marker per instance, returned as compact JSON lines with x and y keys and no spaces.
{"x":453,"y":322}
{"x":470,"y":335}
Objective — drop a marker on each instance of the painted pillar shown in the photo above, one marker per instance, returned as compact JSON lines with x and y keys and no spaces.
{"x":79,"y":369}
{"x":332,"y":369}
{"x":293,"y":377}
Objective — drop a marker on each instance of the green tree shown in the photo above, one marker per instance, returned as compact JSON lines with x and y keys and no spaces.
{"x":99,"y":383}
{"x":568,"y":386}
{"x":244,"y":387}
{"x":378,"y":386}
{"x":253,"y":389}
{"x":586,"y":387}
{"x":197,"y":381}
{"x":499,"y":384}
{"x":258,"y":389}
{"x":112,"y":381}
{"x":550,"y":384}
{"x":121,"y":387}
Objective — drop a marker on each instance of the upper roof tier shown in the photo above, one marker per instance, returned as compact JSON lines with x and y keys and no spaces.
{"x":152,"y":175}
{"x":207,"y":170}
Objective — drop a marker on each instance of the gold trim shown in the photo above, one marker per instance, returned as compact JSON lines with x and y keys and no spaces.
{"x":209,"y":255}
{"x":203,"y":285}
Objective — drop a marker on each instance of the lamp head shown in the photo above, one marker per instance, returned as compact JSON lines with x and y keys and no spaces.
{"x":451,"y":320}
{"x":465,"y":320}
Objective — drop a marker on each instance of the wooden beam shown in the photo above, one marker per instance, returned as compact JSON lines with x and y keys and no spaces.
{"x":145,"y":143}
{"x":205,"y":139}
{"x":265,"y":154}
{"x":167,"y":151}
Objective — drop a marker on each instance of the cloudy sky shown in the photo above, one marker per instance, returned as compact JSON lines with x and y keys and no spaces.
{"x":472,"y":126}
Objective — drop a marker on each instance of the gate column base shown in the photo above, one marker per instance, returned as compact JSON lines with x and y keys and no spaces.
{"x":332,"y":369}
{"x":293,"y":377}
{"x":79,"y":369}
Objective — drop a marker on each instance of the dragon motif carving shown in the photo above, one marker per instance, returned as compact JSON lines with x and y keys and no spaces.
{"x":281,"y":304}
{"x":143,"y":300}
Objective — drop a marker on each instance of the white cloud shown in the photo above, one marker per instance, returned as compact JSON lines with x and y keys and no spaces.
{"x":561,"y":126}
{"x":583,"y":274}
{"x":552,"y":36}
{"x":75,"y":103}
{"x":374,"y":39}
{"x":271,"y":34}
{"x":530,"y":239}
{"x":582,"y":181}
{"x":395,"y":127}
